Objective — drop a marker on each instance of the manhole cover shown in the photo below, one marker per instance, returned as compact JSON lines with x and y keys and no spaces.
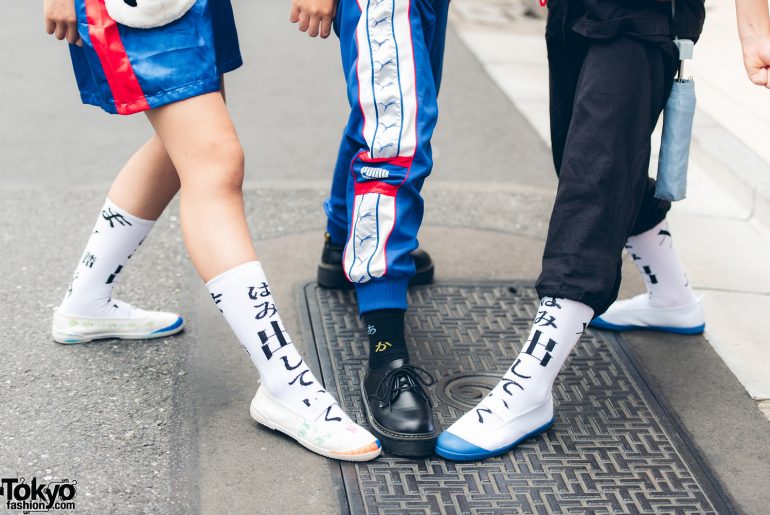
{"x":613,"y":448}
{"x":464,"y":391}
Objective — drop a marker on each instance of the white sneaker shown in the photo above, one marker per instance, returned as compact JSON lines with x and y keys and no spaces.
{"x":469,"y":440}
{"x":350,"y":443}
{"x":637,"y":313}
{"x":130,"y":324}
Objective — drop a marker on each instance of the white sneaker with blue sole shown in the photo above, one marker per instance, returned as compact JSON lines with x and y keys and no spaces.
{"x":130,"y":323}
{"x":638,"y":313}
{"x":481,"y":434}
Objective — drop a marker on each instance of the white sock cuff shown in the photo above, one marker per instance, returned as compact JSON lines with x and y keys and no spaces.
{"x":250,"y":268}
{"x":109,"y":204}
{"x":651,"y":233}
{"x":574,"y":308}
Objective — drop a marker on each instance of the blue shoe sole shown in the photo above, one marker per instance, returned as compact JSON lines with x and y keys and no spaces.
{"x":482,"y":454}
{"x":170,"y":330}
{"x":173,"y":327}
{"x":598,"y":323}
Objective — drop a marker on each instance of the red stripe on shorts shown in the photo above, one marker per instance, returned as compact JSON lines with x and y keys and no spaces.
{"x":105,"y":39}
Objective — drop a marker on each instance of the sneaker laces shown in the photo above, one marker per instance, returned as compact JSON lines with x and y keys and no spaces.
{"x":391,"y":385}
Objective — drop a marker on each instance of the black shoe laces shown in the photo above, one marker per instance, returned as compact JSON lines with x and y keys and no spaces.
{"x":391,"y":385}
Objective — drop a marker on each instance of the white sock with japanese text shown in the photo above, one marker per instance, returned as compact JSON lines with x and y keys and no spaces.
{"x":528,"y":381}
{"x":243,"y":296}
{"x":654,"y":255}
{"x":116,"y":236}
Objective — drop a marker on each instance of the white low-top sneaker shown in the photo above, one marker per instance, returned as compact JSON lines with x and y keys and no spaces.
{"x":130,"y":324}
{"x":469,"y":439}
{"x":637,"y":313}
{"x":350,"y":442}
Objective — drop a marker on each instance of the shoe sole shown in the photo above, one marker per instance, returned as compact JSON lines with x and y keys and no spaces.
{"x":65,"y":338}
{"x":607,"y":326}
{"x":399,"y":444}
{"x":454,"y":456}
{"x":333,"y":278}
{"x":266,"y":421}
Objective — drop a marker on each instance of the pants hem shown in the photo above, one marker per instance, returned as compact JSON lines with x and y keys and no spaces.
{"x":385,"y":293}
{"x":576,"y":295}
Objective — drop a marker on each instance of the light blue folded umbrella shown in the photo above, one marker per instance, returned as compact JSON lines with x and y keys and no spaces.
{"x":678,"y":118}
{"x":675,"y":145}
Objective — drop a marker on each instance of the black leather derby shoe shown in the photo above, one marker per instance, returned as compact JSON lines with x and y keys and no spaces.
{"x":399,"y":409}
{"x":331,"y":275}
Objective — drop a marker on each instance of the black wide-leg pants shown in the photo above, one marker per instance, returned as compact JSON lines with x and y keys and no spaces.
{"x":606,"y":97}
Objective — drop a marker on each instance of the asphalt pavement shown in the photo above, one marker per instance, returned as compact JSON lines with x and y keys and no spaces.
{"x":163,"y":426}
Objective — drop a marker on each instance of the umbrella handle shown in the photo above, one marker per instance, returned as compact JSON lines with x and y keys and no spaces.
{"x":686,"y":49}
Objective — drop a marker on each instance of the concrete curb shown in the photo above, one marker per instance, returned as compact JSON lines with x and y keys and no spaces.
{"x":733,"y":165}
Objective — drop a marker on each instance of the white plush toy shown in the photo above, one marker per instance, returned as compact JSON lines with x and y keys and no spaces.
{"x":147,"y":14}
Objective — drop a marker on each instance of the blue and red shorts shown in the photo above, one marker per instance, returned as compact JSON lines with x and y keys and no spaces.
{"x":125,"y":70}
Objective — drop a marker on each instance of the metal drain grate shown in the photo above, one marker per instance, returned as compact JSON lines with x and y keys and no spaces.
{"x":613,"y":448}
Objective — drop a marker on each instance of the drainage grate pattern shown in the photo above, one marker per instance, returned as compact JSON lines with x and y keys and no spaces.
{"x":613,"y":448}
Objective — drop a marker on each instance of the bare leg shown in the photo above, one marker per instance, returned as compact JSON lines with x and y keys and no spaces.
{"x":147,"y":182}
{"x":201,"y":141}
{"x":203,"y":145}
{"x":137,"y":198}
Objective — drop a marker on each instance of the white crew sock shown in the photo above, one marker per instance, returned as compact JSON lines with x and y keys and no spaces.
{"x":117,"y":235}
{"x":653,"y":253}
{"x":243,"y":296}
{"x":527,"y":383}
